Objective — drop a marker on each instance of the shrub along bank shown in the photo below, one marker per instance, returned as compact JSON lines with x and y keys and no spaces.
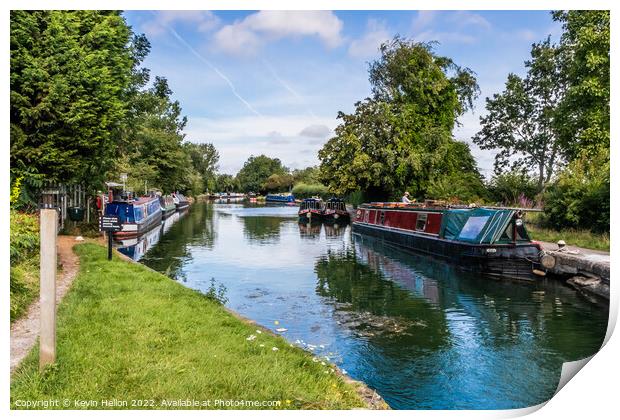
{"x":129,"y":333}
{"x":24,"y":257}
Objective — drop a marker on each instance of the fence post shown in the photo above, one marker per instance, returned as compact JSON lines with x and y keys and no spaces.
{"x":47,"y":337}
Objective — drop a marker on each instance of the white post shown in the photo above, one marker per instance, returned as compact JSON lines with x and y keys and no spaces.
{"x":47,"y":337}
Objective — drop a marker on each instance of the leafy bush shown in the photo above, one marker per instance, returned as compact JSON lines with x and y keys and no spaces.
{"x":464,"y":187}
{"x":24,"y":236}
{"x":512,"y":188}
{"x":580,"y":196}
{"x":302,"y":190}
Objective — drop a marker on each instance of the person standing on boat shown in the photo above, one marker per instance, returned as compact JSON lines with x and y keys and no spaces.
{"x":405,"y":198}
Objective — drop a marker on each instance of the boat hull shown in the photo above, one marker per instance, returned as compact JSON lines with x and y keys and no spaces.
{"x":340,"y":217}
{"x":133,"y":230}
{"x":505,"y":261}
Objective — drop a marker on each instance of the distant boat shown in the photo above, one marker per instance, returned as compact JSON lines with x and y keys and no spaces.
{"x":335,"y":211}
{"x":280,"y":198}
{"x":310,"y":210}
{"x":180,"y":201}
{"x":136,"y":216}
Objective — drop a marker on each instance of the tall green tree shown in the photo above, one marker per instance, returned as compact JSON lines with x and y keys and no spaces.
{"x":400,"y":138}
{"x":583,"y":114}
{"x":255,"y":171}
{"x":520,"y":120}
{"x":72,"y":73}
{"x":205,"y":158}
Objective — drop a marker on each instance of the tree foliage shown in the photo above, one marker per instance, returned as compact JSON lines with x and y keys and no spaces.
{"x":71,"y":75}
{"x":256,"y":170}
{"x":519,"y":121}
{"x":583,"y":113}
{"x":400,"y":138}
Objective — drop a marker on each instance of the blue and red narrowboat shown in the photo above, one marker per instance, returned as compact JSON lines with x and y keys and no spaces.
{"x":137,"y":216}
{"x":492,"y":241}
{"x":335,"y":211}
{"x":310,"y":210}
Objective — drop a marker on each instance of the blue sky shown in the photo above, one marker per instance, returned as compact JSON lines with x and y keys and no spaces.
{"x":273,"y":82}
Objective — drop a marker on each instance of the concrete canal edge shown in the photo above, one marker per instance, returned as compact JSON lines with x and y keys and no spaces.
{"x":583,"y":269}
{"x":371,"y":398}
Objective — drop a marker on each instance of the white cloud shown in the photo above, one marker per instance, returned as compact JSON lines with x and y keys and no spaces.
{"x":201,"y":20}
{"x":465,"y":27}
{"x":368,"y":45}
{"x":423,"y":19}
{"x":246,"y":36}
{"x":276,"y":136}
{"x":463,"y":18}
{"x":315,"y":130}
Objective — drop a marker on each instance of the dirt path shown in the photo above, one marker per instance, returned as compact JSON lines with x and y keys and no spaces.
{"x":24,"y":331}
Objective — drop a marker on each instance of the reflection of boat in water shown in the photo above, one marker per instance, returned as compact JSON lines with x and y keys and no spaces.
{"x":309,"y":230}
{"x":492,"y":241}
{"x":171,"y":221}
{"x":135,"y":248}
{"x":334,"y":230}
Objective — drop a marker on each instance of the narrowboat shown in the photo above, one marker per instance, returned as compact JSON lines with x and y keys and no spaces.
{"x":280,"y":198}
{"x":310,"y":210}
{"x":168,"y":207}
{"x":180,"y":201}
{"x":489,"y":240}
{"x":137,"y":216}
{"x":336,"y":211}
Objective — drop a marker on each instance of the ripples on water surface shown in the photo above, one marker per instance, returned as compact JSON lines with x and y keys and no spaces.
{"x":420,"y":332}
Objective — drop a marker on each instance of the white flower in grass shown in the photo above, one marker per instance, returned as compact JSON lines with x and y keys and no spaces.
{"x":259,"y":331}
{"x":344,"y":372}
{"x":261,"y":345}
{"x":323,"y":363}
{"x":275,"y":349}
{"x":251,"y":337}
{"x":314,"y":359}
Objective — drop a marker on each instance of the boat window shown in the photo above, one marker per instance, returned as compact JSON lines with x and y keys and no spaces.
{"x":382,"y":217}
{"x":420,"y":223}
{"x":366,"y":214}
{"x":473,"y":227}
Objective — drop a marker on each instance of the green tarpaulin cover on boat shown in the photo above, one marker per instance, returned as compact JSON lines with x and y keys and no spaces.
{"x":478,"y":225}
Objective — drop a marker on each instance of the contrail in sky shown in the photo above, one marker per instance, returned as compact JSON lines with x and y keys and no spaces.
{"x":287,"y":87}
{"x":215,"y":69}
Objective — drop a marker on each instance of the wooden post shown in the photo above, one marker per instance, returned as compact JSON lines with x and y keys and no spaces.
{"x":47,"y":336}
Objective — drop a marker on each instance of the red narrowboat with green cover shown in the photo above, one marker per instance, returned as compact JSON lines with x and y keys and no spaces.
{"x":491,"y":240}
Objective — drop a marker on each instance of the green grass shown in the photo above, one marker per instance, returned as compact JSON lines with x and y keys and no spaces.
{"x":580,"y":238}
{"x":126,"y":332}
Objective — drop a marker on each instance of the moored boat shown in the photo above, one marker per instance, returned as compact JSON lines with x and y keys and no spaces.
{"x":168,"y":207}
{"x":493,"y":241}
{"x":310,"y":210}
{"x":280,"y":198}
{"x":136,"y":216}
{"x":180,"y":201}
{"x":335,"y":211}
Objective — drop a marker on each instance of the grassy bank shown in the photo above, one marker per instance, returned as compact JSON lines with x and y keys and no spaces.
{"x":580,"y":238}
{"x":24,"y":258}
{"x":128,"y":333}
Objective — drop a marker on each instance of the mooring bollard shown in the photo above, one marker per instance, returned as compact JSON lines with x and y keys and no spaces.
{"x":47,"y":336}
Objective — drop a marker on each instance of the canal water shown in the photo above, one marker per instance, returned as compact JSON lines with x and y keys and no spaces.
{"x":422,"y":333}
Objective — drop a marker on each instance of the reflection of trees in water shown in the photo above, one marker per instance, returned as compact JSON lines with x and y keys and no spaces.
{"x":377,"y":308}
{"x":262,"y":228}
{"x":195,"y":228}
{"x":503,"y":313}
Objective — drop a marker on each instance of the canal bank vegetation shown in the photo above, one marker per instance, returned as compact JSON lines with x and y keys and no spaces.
{"x":24,"y":259}
{"x":127,"y":332}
